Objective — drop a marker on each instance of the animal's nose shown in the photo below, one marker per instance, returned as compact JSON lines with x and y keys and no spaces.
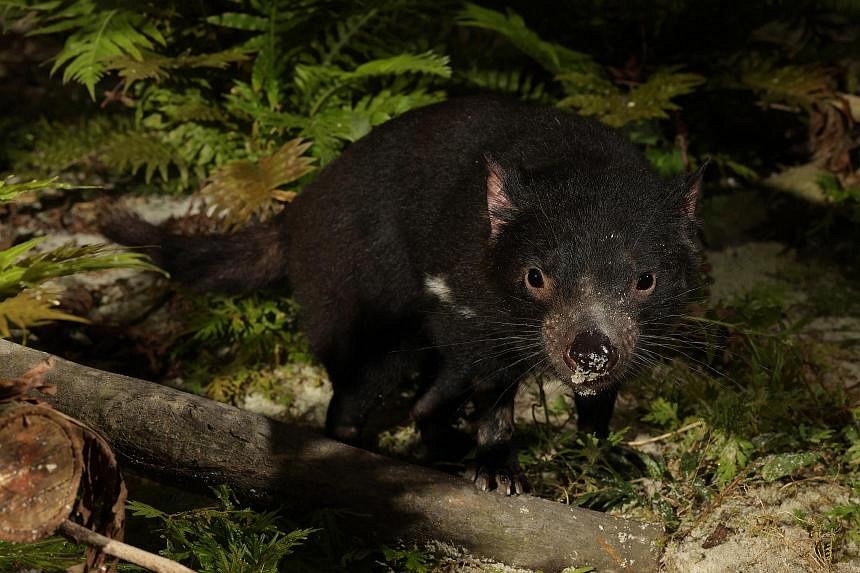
{"x":591,"y":351}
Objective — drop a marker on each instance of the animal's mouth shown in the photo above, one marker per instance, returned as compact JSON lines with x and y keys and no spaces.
{"x":586,"y":383}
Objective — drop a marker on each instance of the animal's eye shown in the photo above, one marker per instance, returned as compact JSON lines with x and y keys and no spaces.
{"x":645,"y":283}
{"x":535,"y":278}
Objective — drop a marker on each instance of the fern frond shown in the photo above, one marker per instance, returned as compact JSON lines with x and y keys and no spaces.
{"x":333,"y":126}
{"x":18,"y":271}
{"x":60,"y":145}
{"x":650,"y":100}
{"x":512,"y":82}
{"x":246,"y":103}
{"x":243,"y":189}
{"x":344,"y":32}
{"x":800,"y":86}
{"x":140,"y":509}
{"x":180,"y":107}
{"x":71,"y":259}
{"x":30,"y":308}
{"x":156,"y":67}
{"x":204,"y":146}
{"x":554,"y":58}
{"x":426,"y":63}
{"x":49,"y":554}
{"x":240,"y":21}
{"x":9,"y":190}
{"x":99,"y":36}
{"x":317,"y":84}
{"x":156,"y":147}
{"x":134,"y":150}
{"x":272,"y":20}
{"x":102,"y":141}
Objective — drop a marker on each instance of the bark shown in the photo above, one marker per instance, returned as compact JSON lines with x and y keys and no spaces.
{"x":182,"y":437}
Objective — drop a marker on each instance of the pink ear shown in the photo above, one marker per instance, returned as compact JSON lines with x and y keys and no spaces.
{"x":694,"y":190}
{"x":499,"y":205}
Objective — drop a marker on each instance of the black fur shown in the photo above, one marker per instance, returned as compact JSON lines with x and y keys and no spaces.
{"x":422,"y":234}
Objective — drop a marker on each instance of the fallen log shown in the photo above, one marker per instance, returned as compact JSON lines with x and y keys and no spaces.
{"x":182,"y":437}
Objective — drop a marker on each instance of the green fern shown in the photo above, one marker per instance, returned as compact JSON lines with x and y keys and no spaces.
{"x":157,"y":67}
{"x":318,"y":83}
{"x":60,"y":145}
{"x":10,"y":190}
{"x":102,"y":141}
{"x":161,"y":144}
{"x":19,"y":269}
{"x":224,"y":539}
{"x":349,"y":122}
{"x":555,"y":58}
{"x":49,"y":555}
{"x":794,"y":85}
{"x":512,"y":82}
{"x":617,"y":107}
{"x":30,"y":308}
{"x":163,"y":108}
{"x":332,"y":48}
{"x":251,"y":327}
{"x":272,"y":20}
{"x":22,"y":305}
{"x":98,"y":36}
{"x":243,"y":189}
{"x":426,"y":63}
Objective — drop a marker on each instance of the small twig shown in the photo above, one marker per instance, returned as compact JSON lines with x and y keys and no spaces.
{"x":681,"y":430}
{"x":121,"y":550}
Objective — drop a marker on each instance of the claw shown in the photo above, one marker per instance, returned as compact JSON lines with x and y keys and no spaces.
{"x":504,"y":480}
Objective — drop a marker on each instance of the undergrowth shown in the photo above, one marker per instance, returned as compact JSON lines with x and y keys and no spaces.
{"x":242,"y":102}
{"x":223,"y":538}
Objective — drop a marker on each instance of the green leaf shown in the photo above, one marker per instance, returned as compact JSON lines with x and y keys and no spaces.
{"x":9,"y":190}
{"x":18,"y":271}
{"x":349,"y":123}
{"x":49,"y":554}
{"x":30,"y":308}
{"x":650,"y":100}
{"x":733,"y":456}
{"x":514,"y":82}
{"x":243,"y":189}
{"x":426,"y":63}
{"x":140,"y":509}
{"x":553,"y":57}
{"x":12,"y":254}
{"x":663,"y":412}
{"x":239,"y":21}
{"x":99,"y":38}
{"x":156,"y":67}
{"x":800,"y":86}
{"x":782,"y":465}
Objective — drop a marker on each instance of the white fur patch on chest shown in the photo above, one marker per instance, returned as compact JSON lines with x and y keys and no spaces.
{"x":438,"y":286}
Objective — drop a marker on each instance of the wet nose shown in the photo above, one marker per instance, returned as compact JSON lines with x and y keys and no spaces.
{"x":591,"y":351}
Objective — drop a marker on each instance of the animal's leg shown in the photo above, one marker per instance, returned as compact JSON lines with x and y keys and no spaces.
{"x":594,"y":412}
{"x":496,"y":464}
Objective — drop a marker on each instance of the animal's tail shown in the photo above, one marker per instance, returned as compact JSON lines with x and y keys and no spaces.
{"x":239,"y":262}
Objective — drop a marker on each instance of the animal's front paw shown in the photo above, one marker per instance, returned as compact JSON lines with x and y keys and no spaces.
{"x":507,"y":478}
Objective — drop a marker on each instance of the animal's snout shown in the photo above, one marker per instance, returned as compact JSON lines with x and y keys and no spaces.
{"x":591,"y":352}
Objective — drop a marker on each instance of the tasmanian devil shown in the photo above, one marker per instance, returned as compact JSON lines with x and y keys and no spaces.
{"x":507,"y":238}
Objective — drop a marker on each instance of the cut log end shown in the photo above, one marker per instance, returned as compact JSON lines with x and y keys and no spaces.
{"x":40,"y":470}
